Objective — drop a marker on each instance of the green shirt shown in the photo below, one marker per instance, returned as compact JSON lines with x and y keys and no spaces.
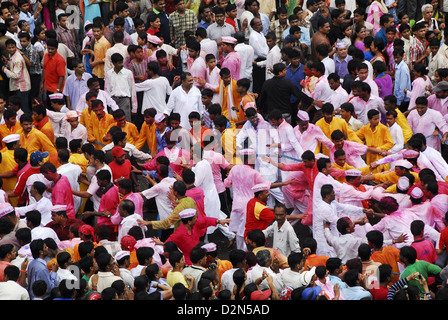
{"x":422,"y":267}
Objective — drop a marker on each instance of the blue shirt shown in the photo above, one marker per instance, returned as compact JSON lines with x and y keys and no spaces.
{"x":355,"y":293}
{"x":402,"y":81}
{"x":304,"y":37}
{"x":382,"y":35}
{"x":368,"y":55}
{"x":37,"y":270}
{"x":75,"y":87}
{"x":340,"y":67}
{"x":295,"y":77}
{"x":161,"y":143}
{"x":203,"y":24}
{"x":28,"y":17}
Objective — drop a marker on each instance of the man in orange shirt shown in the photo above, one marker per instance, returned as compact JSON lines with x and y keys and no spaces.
{"x":42,"y":121}
{"x":313,"y":260}
{"x":198,"y":132}
{"x":148,"y":132}
{"x":11,"y":126}
{"x":385,"y":255}
{"x":126,"y":126}
{"x":100,"y":121}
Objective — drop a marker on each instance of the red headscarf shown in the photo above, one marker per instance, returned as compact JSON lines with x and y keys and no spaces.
{"x":87,"y":230}
{"x":128,"y":242}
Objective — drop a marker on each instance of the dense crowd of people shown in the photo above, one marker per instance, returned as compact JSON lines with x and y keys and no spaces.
{"x":310,"y":136}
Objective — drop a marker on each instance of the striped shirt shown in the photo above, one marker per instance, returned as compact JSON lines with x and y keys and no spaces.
{"x":17,"y":72}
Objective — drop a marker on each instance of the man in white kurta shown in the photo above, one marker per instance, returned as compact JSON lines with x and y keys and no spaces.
{"x":329,"y":210}
{"x":212,"y":205}
{"x":289,"y":145}
{"x":185,"y":99}
{"x":260,"y":136}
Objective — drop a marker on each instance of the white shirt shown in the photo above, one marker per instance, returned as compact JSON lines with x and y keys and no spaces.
{"x":257,"y":272}
{"x":329,"y":65}
{"x":127,"y":223}
{"x":346,"y":246}
{"x":291,"y":278}
{"x":247,"y":57}
{"x":274,"y":56}
{"x":121,"y":84}
{"x":154,"y":93}
{"x":117,"y":48}
{"x":66,"y":274}
{"x":330,"y":212}
{"x":227,"y":279}
{"x":209,"y":46}
{"x":42,"y":232}
{"x":11,"y":290}
{"x":80,"y":132}
{"x":184,"y":103}
{"x":135,"y":272}
{"x":103,"y":96}
{"x":284,"y":238}
{"x":437,"y":161}
{"x":43,"y":206}
{"x":339,"y":97}
{"x":93,"y":188}
{"x":397,"y":135}
{"x":258,"y":41}
{"x":159,"y":192}
{"x":131,"y":150}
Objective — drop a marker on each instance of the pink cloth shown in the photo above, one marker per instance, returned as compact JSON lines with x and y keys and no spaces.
{"x":197,"y":194}
{"x":425,"y":250}
{"x":426,"y":124}
{"x":310,"y":138}
{"x":175,"y":161}
{"x":436,"y":104}
{"x":362,"y":107}
{"x":353,"y":151}
{"x":217,"y":162}
{"x":241,"y":179}
{"x":197,"y":68}
{"x":418,"y":90}
{"x":109,"y":201}
{"x":232,"y":61}
{"x":374,"y":7}
{"x":61,"y":194}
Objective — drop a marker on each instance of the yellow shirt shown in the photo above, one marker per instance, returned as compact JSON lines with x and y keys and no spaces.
{"x":364,"y":170}
{"x":36,"y":141}
{"x":98,"y":128}
{"x":79,"y":159}
{"x":392,"y":177}
{"x":8,"y":163}
{"x":148,"y":135}
{"x":131,"y":130}
{"x":380,"y":139}
{"x":403,"y":123}
{"x":5,"y":131}
{"x":48,"y":130}
{"x":99,"y":52}
{"x":335,"y":124}
{"x":228,"y":144}
{"x":85,"y":117}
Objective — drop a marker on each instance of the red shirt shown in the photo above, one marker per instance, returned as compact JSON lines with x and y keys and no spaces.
{"x":20,"y":189}
{"x":54,"y":67}
{"x":123,"y":170}
{"x":258,"y":215}
{"x":186,"y":241}
{"x":379,"y":293}
{"x":63,"y":232}
{"x":444,"y":239}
